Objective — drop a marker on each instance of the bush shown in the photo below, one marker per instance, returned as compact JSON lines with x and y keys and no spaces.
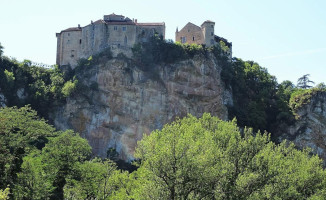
{"x":69,"y":87}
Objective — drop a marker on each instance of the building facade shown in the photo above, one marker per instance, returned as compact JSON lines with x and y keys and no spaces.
{"x":116,"y":32}
{"x":193,"y":34}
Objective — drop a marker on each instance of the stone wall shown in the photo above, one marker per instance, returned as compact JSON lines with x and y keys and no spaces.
{"x":76,"y":43}
{"x":208,"y":32}
{"x":192,"y":33}
{"x":69,"y":47}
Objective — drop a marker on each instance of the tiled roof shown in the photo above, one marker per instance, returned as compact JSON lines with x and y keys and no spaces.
{"x":114,"y":15}
{"x":72,"y":29}
{"x":151,"y":24}
{"x":120,"y":23}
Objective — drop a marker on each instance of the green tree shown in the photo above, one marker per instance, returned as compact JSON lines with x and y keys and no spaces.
{"x":69,"y":87}
{"x":4,"y":194}
{"x":208,"y":158}
{"x":33,"y":181}
{"x":304,"y":82}
{"x":62,"y":156}
{"x":21,"y":132}
{"x":95,"y":179}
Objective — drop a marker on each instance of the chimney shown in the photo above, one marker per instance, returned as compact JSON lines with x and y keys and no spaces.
{"x":136,"y":21}
{"x":78,"y":25}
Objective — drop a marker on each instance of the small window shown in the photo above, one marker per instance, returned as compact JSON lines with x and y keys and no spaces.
{"x":193,"y":38}
{"x":124,"y":28}
{"x":72,"y":53}
{"x":115,"y":28}
{"x":80,"y":41}
{"x":212,"y":33}
{"x":212,"y":26}
{"x":68,"y":34}
{"x":183,"y":39}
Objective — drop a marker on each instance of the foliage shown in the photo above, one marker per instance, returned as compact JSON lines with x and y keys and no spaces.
{"x":103,"y":185}
{"x":4,"y":194}
{"x":301,"y":97}
{"x":33,"y":181}
{"x":208,"y":158}
{"x":303,"y":82}
{"x":44,"y":172}
{"x":158,"y":50}
{"x":21,"y":131}
{"x":22,"y":84}
{"x":259,"y":102}
{"x":69,"y":87}
{"x":83,"y":63}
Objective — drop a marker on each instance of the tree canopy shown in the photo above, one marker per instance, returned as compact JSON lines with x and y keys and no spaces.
{"x":207,"y":158}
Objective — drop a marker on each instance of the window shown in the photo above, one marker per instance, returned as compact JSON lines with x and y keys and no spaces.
{"x":212,"y":33}
{"x":68,"y":34}
{"x":80,"y":41}
{"x":72,"y":53}
{"x":115,"y":28}
{"x":183,"y":39}
{"x":212,"y":26}
{"x":212,"y":41}
{"x":193,"y":38}
{"x":124,"y":28}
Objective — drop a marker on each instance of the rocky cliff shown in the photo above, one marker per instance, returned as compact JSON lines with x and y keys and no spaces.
{"x":119,"y":100}
{"x":309,"y":130}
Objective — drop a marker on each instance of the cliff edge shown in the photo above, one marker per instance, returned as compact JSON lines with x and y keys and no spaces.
{"x":120,"y":100}
{"x":309,"y":130}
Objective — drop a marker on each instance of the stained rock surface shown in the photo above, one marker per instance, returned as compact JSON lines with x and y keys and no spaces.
{"x":119,"y":101}
{"x":309,"y":130}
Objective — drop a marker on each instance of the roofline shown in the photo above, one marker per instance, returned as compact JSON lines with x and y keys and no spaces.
{"x":151,"y":24}
{"x":207,"y":21}
{"x":71,"y":29}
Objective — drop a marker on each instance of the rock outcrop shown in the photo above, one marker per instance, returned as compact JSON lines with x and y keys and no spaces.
{"x":309,"y":130}
{"x":120,"y":101}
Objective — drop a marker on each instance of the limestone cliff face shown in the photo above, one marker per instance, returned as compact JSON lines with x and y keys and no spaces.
{"x":120,"y":101}
{"x":310,"y":128}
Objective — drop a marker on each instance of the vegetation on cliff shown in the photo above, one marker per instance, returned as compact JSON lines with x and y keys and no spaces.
{"x":191,"y":158}
{"x":42,"y":88}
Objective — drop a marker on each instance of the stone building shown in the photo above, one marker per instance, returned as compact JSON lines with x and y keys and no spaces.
{"x":117,"y":32}
{"x":193,"y":34}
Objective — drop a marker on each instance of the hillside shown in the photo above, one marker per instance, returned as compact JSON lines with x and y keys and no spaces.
{"x":112,"y":101}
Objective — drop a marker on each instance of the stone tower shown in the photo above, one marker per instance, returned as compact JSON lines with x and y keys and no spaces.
{"x":208,"y":32}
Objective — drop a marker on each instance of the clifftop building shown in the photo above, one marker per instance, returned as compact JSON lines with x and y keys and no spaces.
{"x":193,"y":34}
{"x":117,"y":32}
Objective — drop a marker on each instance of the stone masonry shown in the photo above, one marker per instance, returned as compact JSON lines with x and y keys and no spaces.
{"x":117,"y":32}
{"x":193,"y":34}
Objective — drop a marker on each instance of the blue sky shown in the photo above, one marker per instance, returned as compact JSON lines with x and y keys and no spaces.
{"x":286,"y":37}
